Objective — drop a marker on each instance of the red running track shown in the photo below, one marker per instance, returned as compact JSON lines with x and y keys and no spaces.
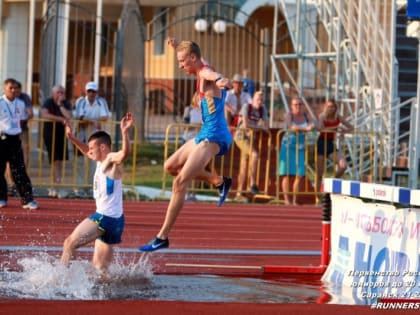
{"x":230,"y":240}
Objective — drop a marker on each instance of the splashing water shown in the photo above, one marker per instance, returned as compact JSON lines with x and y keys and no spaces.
{"x":44,"y":277}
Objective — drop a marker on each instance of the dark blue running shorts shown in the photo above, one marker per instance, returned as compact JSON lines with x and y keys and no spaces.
{"x":112,"y":227}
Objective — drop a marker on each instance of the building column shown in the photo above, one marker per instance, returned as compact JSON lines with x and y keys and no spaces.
{"x":62,"y":42}
{"x":14,"y":41}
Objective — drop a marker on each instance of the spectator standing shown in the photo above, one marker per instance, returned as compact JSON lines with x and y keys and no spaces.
{"x":24,"y":136}
{"x":249,"y":84}
{"x":106,"y":225}
{"x":251,"y":116}
{"x":12,"y":111}
{"x":56,"y":110}
{"x":90,"y":111}
{"x":235,"y":98}
{"x":293,"y":147}
{"x":329,"y":123}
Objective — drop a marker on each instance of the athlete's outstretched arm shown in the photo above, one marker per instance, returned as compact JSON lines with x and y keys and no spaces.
{"x":118,"y":157}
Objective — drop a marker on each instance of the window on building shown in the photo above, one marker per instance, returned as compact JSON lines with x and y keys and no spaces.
{"x":159,"y":27}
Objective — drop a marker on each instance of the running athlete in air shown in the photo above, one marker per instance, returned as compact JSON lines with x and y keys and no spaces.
{"x":214,"y":138}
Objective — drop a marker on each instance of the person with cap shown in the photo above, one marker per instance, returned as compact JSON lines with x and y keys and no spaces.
{"x":90,"y":110}
{"x":56,"y":110}
{"x":235,"y":99}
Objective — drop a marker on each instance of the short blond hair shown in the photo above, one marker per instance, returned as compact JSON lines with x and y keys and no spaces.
{"x":190,"y":47}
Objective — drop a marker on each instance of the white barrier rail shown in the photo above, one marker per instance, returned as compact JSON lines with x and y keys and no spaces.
{"x":373,"y":191}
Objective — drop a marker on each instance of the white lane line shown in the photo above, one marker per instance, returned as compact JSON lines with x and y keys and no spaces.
{"x":174,"y":251}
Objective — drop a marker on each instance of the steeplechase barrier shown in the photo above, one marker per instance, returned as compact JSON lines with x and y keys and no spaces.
{"x":375,"y":243}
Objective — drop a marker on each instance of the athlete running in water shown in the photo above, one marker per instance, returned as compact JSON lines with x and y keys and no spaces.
{"x":214,"y":138}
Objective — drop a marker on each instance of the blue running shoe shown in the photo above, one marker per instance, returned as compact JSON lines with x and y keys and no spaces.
{"x":224,"y":190}
{"x":155,"y":244}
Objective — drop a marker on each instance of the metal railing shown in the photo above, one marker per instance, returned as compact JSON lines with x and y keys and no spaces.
{"x":365,"y":165}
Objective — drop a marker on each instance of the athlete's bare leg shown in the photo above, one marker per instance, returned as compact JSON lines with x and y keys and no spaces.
{"x":194,"y":168}
{"x":86,"y":232}
{"x":102,"y":256}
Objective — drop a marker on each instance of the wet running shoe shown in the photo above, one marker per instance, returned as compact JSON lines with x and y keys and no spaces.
{"x":155,"y":244}
{"x":224,"y":190}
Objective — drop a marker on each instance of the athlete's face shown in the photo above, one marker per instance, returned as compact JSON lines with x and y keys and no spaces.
{"x":95,"y":150}
{"x":186,"y":61}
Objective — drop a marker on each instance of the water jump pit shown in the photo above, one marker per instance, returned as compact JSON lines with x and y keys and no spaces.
{"x":216,"y":255}
{"x":131,"y":277}
{"x":199,"y":266}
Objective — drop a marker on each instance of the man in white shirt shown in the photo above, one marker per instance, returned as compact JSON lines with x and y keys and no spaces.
{"x":12,"y":111}
{"x":235,"y":99}
{"x":90,"y":111}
